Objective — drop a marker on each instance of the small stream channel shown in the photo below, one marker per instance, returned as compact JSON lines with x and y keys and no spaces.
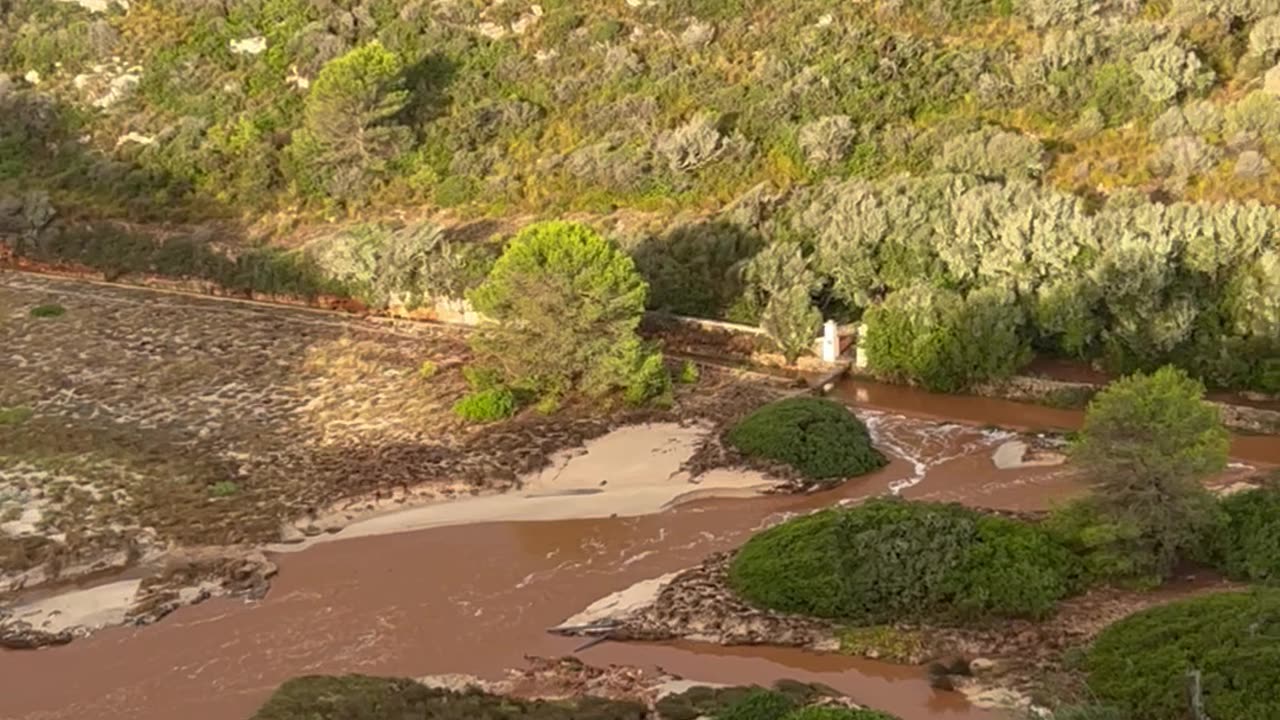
{"x":476,"y":598}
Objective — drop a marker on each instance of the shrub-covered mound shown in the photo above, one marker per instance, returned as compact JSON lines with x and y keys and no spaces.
{"x":1140,"y":664}
{"x":820,"y":438}
{"x":359,"y":697}
{"x":1247,"y":547}
{"x":890,"y":559}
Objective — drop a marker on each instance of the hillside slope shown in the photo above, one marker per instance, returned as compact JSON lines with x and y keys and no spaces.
{"x":1095,"y":177}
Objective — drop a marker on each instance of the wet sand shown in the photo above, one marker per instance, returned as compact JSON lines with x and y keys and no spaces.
{"x":477,"y":598}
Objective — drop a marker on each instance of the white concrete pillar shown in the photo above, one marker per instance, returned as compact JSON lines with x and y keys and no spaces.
{"x":830,"y":341}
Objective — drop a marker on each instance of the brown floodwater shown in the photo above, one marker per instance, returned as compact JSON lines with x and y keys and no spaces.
{"x":478,"y":598}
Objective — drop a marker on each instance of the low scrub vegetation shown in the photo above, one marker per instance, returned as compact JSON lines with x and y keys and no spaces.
{"x":819,"y":438}
{"x":1140,"y":665}
{"x":889,"y":560}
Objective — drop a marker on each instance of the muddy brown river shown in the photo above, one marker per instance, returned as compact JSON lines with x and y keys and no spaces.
{"x":478,"y":598}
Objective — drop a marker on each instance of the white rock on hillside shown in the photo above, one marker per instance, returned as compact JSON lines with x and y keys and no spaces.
{"x":249,"y":46}
{"x":121,"y":87}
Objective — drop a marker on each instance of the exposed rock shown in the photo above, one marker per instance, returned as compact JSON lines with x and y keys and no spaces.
{"x":249,"y":46}
{"x":21,"y":636}
{"x":1015,"y":454}
{"x":32,"y":77}
{"x":1252,"y":165}
{"x":134,"y":137}
{"x":247,"y":576}
{"x":297,"y":80}
{"x":492,"y":30}
{"x":698,"y":34}
{"x":697,"y":604}
{"x":190,"y":578}
{"x":523,"y":23}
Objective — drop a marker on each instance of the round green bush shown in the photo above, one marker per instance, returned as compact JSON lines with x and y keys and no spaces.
{"x":820,"y":438}
{"x":1247,"y":547}
{"x":1140,"y":664}
{"x":486,"y":405}
{"x":888,"y":560}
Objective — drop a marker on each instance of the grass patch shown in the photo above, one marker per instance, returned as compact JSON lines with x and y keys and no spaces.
{"x":820,"y":438}
{"x":223,"y":488}
{"x":883,"y":642}
{"x":48,"y":311}
{"x":15,"y":415}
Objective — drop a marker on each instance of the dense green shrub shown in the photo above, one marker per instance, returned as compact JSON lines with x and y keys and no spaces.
{"x":889,"y":560}
{"x":1140,"y":664}
{"x":945,"y":342}
{"x":1014,"y":569}
{"x":358,"y":697}
{"x":792,"y":567}
{"x":820,"y":438}
{"x":914,"y":559}
{"x":1247,"y":545}
{"x":484,"y":406}
{"x":1110,"y":548}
